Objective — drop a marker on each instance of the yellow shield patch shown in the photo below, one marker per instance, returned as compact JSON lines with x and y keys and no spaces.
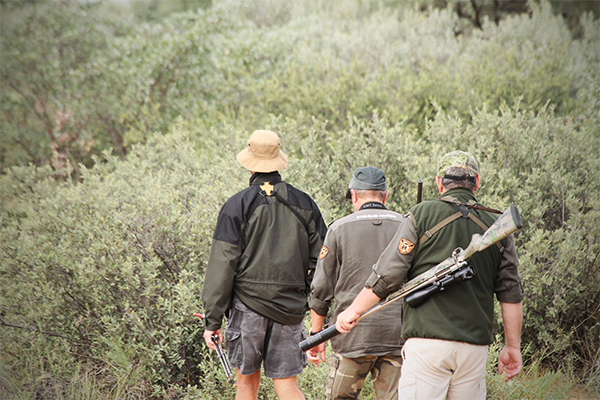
{"x":268,"y":188}
{"x":324,"y":252}
{"x":405,"y":246}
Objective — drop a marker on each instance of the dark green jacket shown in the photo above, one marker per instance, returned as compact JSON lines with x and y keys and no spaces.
{"x":465,"y":311}
{"x":262,"y":253}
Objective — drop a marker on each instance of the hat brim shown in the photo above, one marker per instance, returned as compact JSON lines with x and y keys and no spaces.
{"x":252,"y":163}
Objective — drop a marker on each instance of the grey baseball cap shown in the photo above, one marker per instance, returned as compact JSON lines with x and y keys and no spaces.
{"x":367,"y":178}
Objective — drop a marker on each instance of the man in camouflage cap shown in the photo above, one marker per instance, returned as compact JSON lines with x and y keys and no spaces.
{"x":352,"y":245}
{"x":447,"y":336}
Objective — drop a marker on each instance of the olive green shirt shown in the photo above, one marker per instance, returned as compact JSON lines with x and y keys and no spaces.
{"x":351,"y":247}
{"x":465,"y":311}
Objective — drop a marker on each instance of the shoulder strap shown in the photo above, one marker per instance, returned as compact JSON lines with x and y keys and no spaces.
{"x":296,"y":213}
{"x":439,"y":226}
{"x":463,"y":212}
{"x":267,"y":190}
{"x":469,"y":204}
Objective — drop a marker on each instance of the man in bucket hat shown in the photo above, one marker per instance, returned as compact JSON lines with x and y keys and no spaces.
{"x":352,"y":245}
{"x":447,"y":336}
{"x":263,"y":254}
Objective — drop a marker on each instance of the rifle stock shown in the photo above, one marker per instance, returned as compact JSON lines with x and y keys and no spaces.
{"x":508,"y":223}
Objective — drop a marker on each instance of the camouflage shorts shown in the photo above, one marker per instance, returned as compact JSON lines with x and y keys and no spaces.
{"x":347,"y":376}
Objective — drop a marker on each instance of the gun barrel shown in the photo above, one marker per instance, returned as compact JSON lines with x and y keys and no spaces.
{"x":223,"y":359}
{"x":221,"y":354}
{"x":319,"y":338}
{"x":419,"y":191}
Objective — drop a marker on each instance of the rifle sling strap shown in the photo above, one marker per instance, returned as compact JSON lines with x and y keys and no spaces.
{"x":439,"y":226}
{"x":463,"y":212}
{"x":469,"y":204}
{"x":296,"y":213}
{"x":279,"y":198}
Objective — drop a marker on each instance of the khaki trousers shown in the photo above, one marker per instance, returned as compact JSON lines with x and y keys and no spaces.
{"x":347,"y":376}
{"x":442,"y":370}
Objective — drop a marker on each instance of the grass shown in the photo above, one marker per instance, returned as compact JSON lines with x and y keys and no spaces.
{"x":532,"y":384}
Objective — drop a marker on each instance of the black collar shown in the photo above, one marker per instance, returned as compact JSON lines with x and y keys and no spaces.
{"x":262,"y":177}
{"x":372,"y":204}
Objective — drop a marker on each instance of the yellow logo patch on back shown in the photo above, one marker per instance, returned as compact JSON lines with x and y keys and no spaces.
{"x":268,"y":188}
{"x":324,"y":252}
{"x":405,"y":246}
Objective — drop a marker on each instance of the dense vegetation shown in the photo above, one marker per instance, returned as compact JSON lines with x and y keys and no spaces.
{"x":119,"y":135}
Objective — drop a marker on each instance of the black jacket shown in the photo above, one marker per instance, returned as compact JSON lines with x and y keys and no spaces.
{"x":264,"y":251}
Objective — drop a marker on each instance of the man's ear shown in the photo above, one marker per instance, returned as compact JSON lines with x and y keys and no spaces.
{"x":477,"y":182}
{"x":438,"y":182}
{"x":387,"y":193}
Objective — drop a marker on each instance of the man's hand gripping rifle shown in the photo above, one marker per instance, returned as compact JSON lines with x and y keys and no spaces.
{"x":453,"y":268}
{"x":221,"y":353}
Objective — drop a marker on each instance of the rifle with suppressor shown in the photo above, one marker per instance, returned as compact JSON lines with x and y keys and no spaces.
{"x":221,"y":354}
{"x":508,"y":223}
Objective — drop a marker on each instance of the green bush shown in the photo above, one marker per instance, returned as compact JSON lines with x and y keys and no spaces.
{"x":240,"y":62}
{"x":111,"y":269}
{"x":102,"y":257}
{"x":108,"y":271}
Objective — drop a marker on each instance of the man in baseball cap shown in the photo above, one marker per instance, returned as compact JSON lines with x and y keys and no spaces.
{"x":352,"y":245}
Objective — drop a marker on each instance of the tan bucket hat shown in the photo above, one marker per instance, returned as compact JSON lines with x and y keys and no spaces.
{"x":263,"y":153}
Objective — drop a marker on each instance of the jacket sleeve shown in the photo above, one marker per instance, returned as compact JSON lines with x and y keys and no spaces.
{"x":316,"y":234}
{"x":326,"y":276}
{"x":392,"y":267}
{"x":221,"y":271}
{"x":508,"y":282}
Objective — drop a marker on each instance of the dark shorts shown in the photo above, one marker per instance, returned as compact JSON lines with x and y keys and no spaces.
{"x":251,"y":339}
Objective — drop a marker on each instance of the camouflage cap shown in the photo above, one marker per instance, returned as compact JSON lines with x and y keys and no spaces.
{"x":458,"y":159}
